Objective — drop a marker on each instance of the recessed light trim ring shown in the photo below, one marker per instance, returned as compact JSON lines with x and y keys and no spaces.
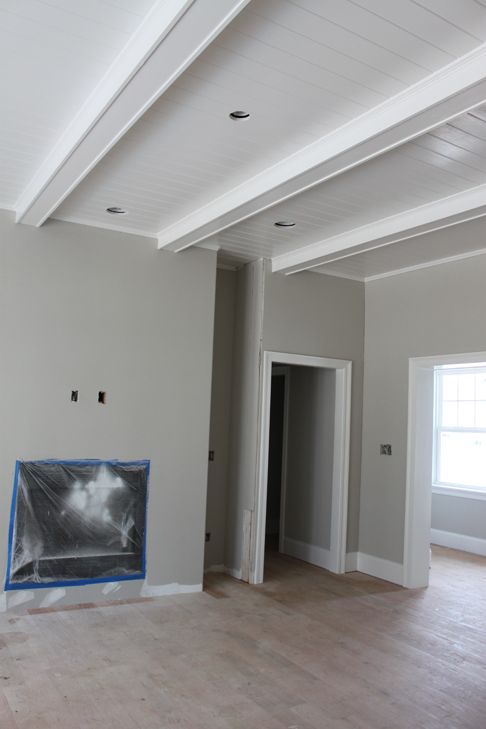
{"x":238,"y":114}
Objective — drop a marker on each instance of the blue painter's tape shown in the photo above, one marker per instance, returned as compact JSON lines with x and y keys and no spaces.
{"x":72,"y":583}
{"x":86,"y":581}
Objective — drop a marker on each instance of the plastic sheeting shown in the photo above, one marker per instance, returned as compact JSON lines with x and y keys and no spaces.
{"x":77,"y":522}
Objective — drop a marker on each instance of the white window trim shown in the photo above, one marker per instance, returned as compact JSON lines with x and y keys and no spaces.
{"x":443,"y":487}
{"x":463,"y":492}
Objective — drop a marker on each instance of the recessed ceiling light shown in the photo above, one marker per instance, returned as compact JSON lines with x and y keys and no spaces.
{"x":115,"y":211}
{"x":236,"y":115}
{"x":284,"y":224}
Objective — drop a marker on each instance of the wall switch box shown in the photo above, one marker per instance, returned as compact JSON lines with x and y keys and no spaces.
{"x":385,"y":449}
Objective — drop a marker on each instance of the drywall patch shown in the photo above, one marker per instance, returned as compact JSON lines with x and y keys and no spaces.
{"x":111,"y":587}
{"x":19,"y":598}
{"x":53,"y":596}
{"x":174,"y":588}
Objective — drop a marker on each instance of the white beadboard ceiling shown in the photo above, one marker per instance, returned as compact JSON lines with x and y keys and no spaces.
{"x":301,"y":68}
{"x":448,"y":160}
{"x":309,"y":72}
{"x":52,"y":54}
{"x":422,"y":251}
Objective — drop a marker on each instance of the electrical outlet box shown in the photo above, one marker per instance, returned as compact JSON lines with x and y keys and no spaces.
{"x":211,"y":455}
{"x":208,"y":537}
{"x":385,"y":449}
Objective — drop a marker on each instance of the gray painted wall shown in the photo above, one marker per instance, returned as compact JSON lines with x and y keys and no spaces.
{"x":219,"y":437}
{"x":310,"y":446}
{"x":308,"y":313}
{"x":459,"y":515}
{"x":82,"y":308}
{"x":437,"y":310}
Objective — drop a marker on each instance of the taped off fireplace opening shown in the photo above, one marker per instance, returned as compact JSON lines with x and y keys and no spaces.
{"x":77,"y":522}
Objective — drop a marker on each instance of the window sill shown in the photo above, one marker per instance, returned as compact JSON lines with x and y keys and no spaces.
{"x":462,"y":492}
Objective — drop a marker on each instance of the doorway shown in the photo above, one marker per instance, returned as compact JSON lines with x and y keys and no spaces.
{"x":424,"y":461}
{"x":277,"y":458}
{"x":275,"y":461}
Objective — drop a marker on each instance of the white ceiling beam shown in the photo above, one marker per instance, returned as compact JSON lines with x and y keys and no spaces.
{"x":443,"y":213}
{"x":170,"y":38}
{"x":454,"y":89}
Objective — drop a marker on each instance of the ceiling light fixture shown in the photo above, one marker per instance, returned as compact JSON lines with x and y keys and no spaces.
{"x":284,"y":224}
{"x":115,"y":210}
{"x":237,"y":115}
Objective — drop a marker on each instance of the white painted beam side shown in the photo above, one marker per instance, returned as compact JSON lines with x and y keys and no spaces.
{"x":443,"y":95}
{"x":170,"y":38}
{"x":442,"y":213}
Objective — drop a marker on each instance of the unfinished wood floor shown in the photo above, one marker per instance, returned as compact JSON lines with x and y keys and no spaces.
{"x":307,"y":650}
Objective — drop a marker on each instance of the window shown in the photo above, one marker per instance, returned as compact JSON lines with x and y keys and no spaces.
{"x":460,"y":428}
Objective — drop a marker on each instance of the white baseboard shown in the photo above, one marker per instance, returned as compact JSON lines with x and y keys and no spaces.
{"x":474,"y":545}
{"x":224,"y":570}
{"x":355,"y":561}
{"x":215,"y":568}
{"x":351,"y":562}
{"x":232,"y":572}
{"x":308,"y":552}
{"x":381,"y":568}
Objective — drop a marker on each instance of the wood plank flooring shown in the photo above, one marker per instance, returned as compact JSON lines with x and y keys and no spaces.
{"x":306,"y":650}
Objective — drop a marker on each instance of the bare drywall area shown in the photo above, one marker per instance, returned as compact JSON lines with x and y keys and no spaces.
{"x":219,"y":437}
{"x":90,"y":310}
{"x":310,"y":445}
{"x":433,"y":311}
{"x":311,"y":314}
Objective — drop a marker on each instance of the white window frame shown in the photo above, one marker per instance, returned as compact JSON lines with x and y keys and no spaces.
{"x":444,"y":487}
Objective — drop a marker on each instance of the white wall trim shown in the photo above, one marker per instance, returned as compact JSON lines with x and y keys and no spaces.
{"x":222,"y":569}
{"x":426,"y":264}
{"x":461,"y":492}
{"x":307,"y":552}
{"x":444,"y":94}
{"x":418,"y":498}
{"x":337,"y":274}
{"x":116,"y":227}
{"x":342,"y":426}
{"x":352,"y":562}
{"x":283,"y":371}
{"x":214,"y":568}
{"x":232,"y":572}
{"x":464,"y":543}
{"x":385,"y":230}
{"x":381,"y":568}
